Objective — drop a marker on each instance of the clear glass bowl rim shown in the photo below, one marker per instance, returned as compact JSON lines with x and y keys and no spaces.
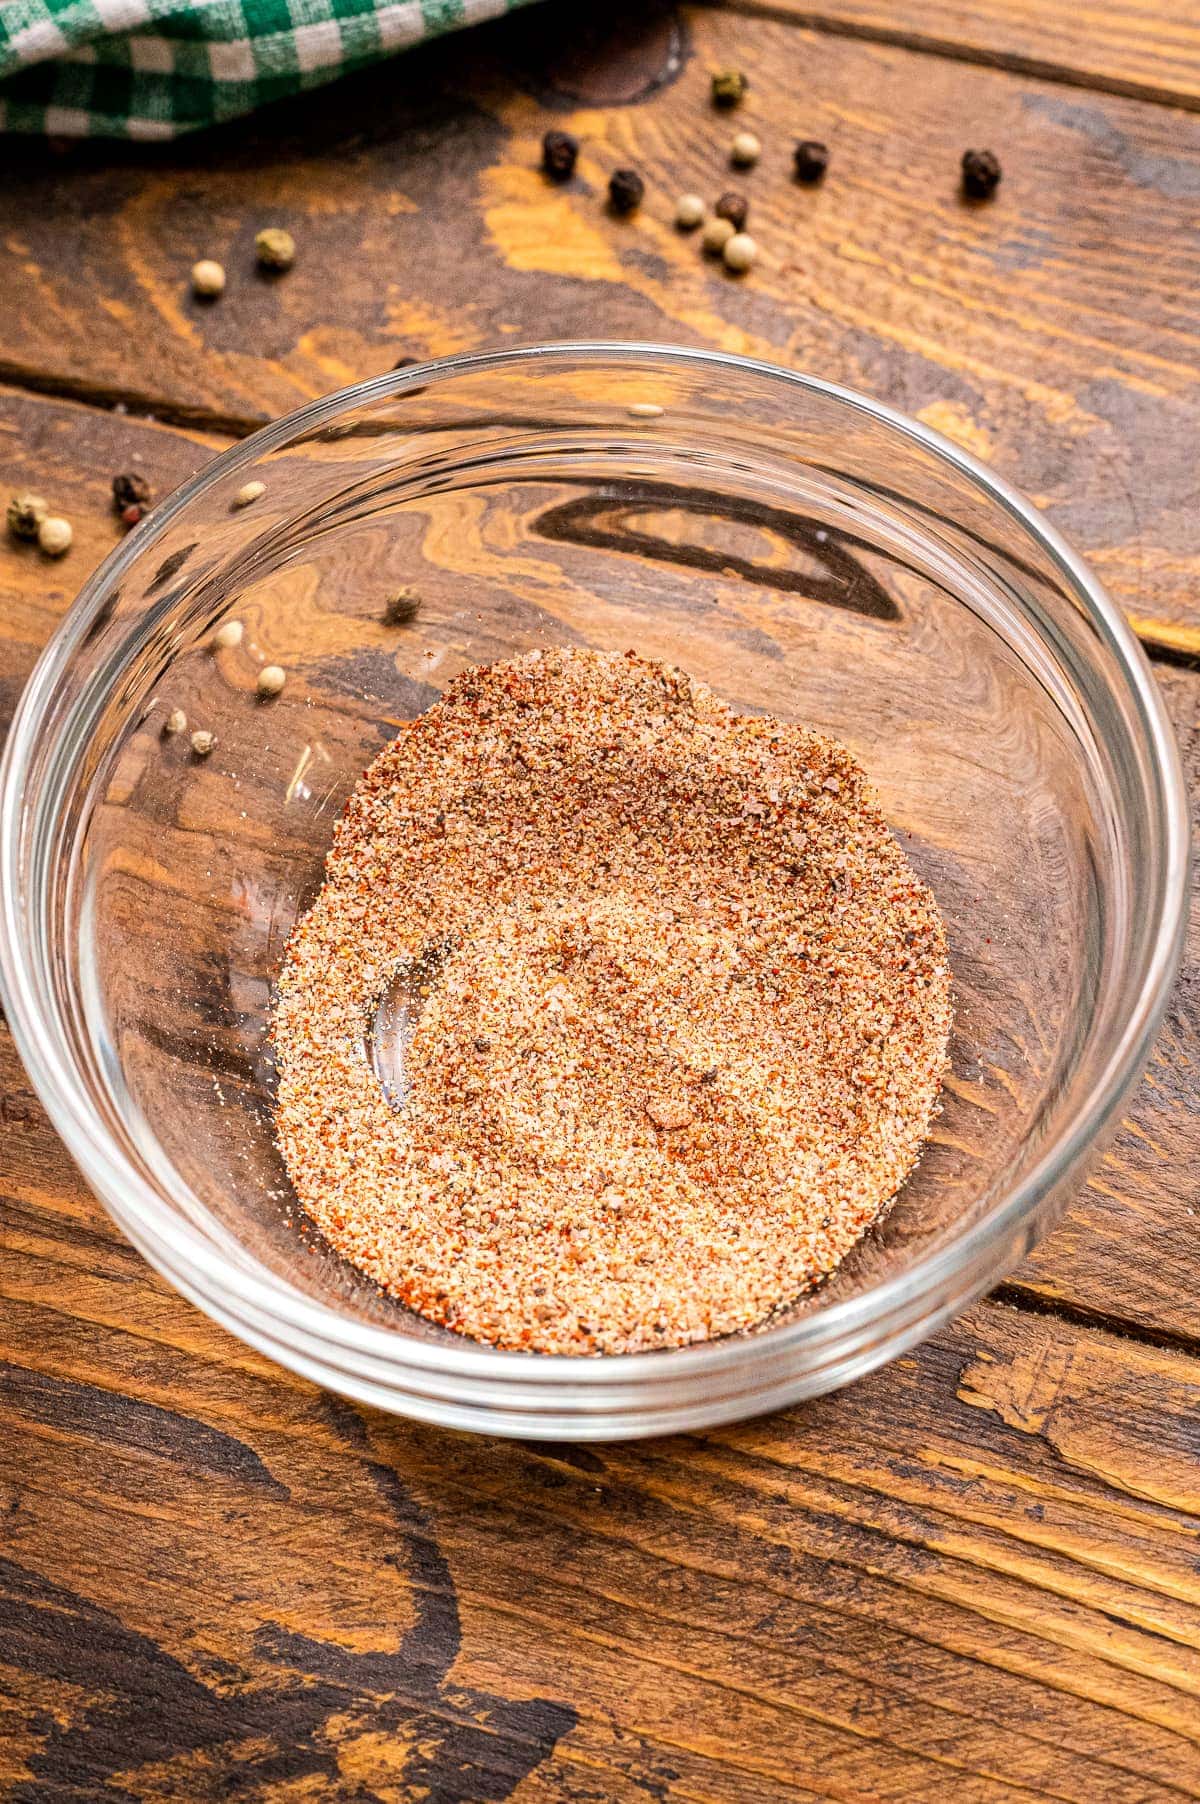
{"x":62,"y":1087}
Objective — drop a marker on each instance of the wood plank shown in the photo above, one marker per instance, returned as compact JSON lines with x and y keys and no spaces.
{"x":1144,"y":1191}
{"x":1149,"y":48}
{"x":1125,"y":1248}
{"x":977,"y":1569}
{"x":1054,"y":332}
{"x":70,"y":454}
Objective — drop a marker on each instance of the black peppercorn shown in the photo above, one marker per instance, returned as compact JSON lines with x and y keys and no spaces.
{"x":626,"y":190}
{"x":559,"y":151}
{"x":728,"y":87}
{"x":980,"y":174}
{"x":733,"y":207}
{"x":811,"y":158}
{"x":130,"y":491}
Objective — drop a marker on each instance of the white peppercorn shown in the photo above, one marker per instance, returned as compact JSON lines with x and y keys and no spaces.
{"x":208,"y":279}
{"x":689,"y":212}
{"x":249,"y":491}
{"x":203,"y":742}
{"x":54,"y":536}
{"x":745,"y":150}
{"x":739,"y":253}
{"x":228,"y":635}
{"x":271,"y":679}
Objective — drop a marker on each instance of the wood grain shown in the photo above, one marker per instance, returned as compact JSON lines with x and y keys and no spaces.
{"x":978,"y":1568}
{"x":69,"y":455}
{"x":1124,"y":1249}
{"x":1053,"y":332}
{"x":974,"y":1575}
{"x":1149,"y":48}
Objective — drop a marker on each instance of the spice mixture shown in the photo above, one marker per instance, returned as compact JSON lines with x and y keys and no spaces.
{"x":683,"y":1019}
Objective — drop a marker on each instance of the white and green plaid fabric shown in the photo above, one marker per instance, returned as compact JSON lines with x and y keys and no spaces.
{"x":155,"y":68}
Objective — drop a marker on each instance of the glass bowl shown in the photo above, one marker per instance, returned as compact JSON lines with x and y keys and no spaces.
{"x":801,"y":549}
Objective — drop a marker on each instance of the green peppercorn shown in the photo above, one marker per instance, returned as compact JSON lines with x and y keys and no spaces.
{"x":275,"y":249}
{"x":25,"y":514}
{"x":728,"y":87}
{"x":402,"y":607}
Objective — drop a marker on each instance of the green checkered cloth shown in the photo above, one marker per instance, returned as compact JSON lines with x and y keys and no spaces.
{"x":155,"y":68}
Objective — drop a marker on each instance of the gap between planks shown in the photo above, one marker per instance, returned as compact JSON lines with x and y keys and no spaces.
{"x":1015,"y":1294}
{"x":1011,"y":62}
{"x":1162,"y":642}
{"x":137,"y":404}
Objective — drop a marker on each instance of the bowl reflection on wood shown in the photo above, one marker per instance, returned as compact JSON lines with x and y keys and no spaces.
{"x":797,"y":548}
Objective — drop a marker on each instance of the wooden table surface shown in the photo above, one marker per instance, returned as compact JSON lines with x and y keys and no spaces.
{"x":974,"y":1576}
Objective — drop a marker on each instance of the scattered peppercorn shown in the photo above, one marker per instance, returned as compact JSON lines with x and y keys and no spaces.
{"x":559,"y":153}
{"x":208,"y":279}
{"x":745,"y":150}
{"x":25,"y":514}
{"x":54,"y":536}
{"x":271,"y":679}
{"x":626,"y":190}
{"x":733,"y":207}
{"x":980,"y":174}
{"x":275,"y":249}
{"x":716,"y":235}
{"x":739,"y":253}
{"x":176,"y":722}
{"x":811,"y":159}
{"x":132,"y":514}
{"x":689,"y":212}
{"x":249,"y":491}
{"x":203,"y":742}
{"x":645,"y":410}
{"x":728,"y":87}
{"x":402,"y":607}
{"x":228,"y":635}
{"x":130,"y":490}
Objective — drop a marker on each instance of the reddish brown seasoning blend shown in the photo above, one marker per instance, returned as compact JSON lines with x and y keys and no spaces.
{"x":685,"y":1024}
